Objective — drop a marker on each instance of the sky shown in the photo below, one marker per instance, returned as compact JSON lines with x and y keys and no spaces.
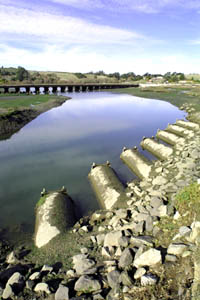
{"x":155,"y":36}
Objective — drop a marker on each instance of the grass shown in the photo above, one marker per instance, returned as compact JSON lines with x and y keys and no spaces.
{"x":188,"y":202}
{"x":41,"y":201}
{"x":24,"y":101}
{"x":176,"y":95}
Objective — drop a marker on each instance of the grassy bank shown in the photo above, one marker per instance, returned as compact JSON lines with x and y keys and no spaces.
{"x":10,"y":103}
{"x":18,"y":110}
{"x":176,"y":95}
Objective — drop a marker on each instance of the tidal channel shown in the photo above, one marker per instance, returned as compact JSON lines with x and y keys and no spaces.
{"x":59,"y":146}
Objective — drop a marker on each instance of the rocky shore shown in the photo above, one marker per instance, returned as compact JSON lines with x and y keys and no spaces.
{"x":147,"y":250}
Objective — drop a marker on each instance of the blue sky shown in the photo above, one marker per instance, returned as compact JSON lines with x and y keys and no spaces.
{"x":140,"y":36}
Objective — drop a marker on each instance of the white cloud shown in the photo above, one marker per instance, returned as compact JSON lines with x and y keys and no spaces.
{"x":63,"y":29}
{"x":145,"y":6}
{"x":79,"y":59}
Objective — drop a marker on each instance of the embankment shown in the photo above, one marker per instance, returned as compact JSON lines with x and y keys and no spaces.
{"x":13,"y":121}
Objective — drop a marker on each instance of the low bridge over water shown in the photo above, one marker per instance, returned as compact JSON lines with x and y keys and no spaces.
{"x":63,"y":87}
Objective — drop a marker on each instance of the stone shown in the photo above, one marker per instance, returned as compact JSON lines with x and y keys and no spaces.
{"x":118,"y":252}
{"x":70,"y":273}
{"x":139,"y":273}
{"x":141,"y":240}
{"x":16,"y":278}
{"x":126,"y":279}
{"x":148,"y":258}
{"x":62,"y":293}
{"x":111,"y":238}
{"x":156,"y":202}
{"x":124,"y":241}
{"x":85,"y":266}
{"x":176,"y":248}
{"x":106,"y":252}
{"x":98,"y":297}
{"x":141,"y":217}
{"x":11,"y":258}
{"x":42,"y":287}
{"x":113,"y":279}
{"x":184,"y":230}
{"x":121,"y":213}
{"x":8,"y":292}
{"x":139,"y":228}
{"x":47,"y":268}
{"x":170,"y":258}
{"x":195,"y":234}
{"x":126,"y":258}
{"x":159,"y":180}
{"x":34,"y":276}
{"x":149,"y":224}
{"x":100,"y":239}
{"x":30,"y":284}
{"x":86,"y":284}
{"x":149,"y":279}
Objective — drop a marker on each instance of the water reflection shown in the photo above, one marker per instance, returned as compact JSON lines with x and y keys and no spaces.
{"x":59,"y":146}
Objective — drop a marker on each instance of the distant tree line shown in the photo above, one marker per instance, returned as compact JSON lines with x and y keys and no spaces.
{"x":20,"y":74}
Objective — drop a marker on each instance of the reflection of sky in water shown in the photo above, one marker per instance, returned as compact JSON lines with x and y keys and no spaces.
{"x":59,"y":146}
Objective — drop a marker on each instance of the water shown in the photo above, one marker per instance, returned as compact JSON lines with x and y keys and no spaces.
{"x":59,"y":146}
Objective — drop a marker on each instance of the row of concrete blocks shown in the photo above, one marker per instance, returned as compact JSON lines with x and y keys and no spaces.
{"x":106,"y":185}
{"x":55,"y":211}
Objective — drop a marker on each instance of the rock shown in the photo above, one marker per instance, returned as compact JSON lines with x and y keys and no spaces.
{"x":113,"y":279}
{"x":176,"y":248}
{"x":148,"y":258}
{"x":6,"y":274}
{"x":16,"y":278}
{"x":105,"y":251}
{"x":86,"y":284}
{"x":170,"y":258}
{"x":159,"y":180}
{"x":11,"y":258}
{"x":85,"y":266}
{"x":30,"y":284}
{"x":111,"y":238}
{"x":123,"y":241}
{"x":141,"y":241}
{"x":121,"y":213}
{"x":141,"y":217}
{"x":139,"y":273}
{"x":42,"y":287}
{"x":100,"y":239}
{"x":149,"y":279}
{"x":126,"y":258}
{"x":98,"y":297}
{"x":126,"y":279}
{"x":47,"y":268}
{"x":62,"y":293}
{"x":156,"y":202}
{"x":35,"y":276}
{"x":8,"y":292}
{"x":149,"y":224}
{"x":118,"y":251}
{"x":195,"y":234}
{"x":139,"y":228}
{"x":70,"y":273}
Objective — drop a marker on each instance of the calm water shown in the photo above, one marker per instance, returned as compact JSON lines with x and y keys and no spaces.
{"x":58,"y":147}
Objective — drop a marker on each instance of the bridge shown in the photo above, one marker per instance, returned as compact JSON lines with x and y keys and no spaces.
{"x":63,"y":87}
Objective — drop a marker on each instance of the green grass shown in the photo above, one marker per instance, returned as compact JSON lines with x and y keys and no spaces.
{"x":173,"y":94}
{"x":188,"y":202}
{"x":14,"y":102}
{"x":41,"y":201}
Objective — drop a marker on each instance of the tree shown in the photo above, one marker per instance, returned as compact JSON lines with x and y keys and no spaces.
{"x":22,"y":74}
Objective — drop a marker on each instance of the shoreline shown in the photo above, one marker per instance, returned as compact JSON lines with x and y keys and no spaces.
{"x":109,"y":240}
{"x":12,"y":121}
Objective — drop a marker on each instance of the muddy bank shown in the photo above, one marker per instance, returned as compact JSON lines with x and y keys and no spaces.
{"x":11,"y":122}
